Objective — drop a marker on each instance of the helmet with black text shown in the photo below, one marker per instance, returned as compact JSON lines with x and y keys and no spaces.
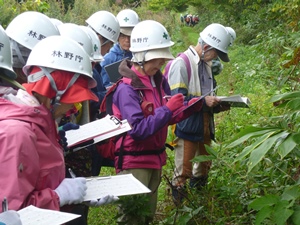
{"x":127,"y":19}
{"x":74,"y":32}
{"x":59,"y":68}
{"x":97,"y":57}
{"x":232,"y":35}
{"x":217,"y":36}
{"x":6,"y":56}
{"x":7,"y":73}
{"x":105,"y":24}
{"x":151,"y":43}
{"x":25,"y":31}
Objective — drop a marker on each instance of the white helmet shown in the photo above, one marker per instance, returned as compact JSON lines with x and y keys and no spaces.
{"x":97,"y":57}
{"x":28,"y":28}
{"x":149,"y":35}
{"x":232,"y":34}
{"x":6,"y":56}
{"x":74,"y":32}
{"x":217,"y":36}
{"x":56,"y":22}
{"x":105,"y":24}
{"x":60,"y":53}
{"x":127,"y":18}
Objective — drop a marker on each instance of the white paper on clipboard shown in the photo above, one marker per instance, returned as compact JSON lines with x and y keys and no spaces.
{"x":117,"y":185}
{"x":93,"y":129}
{"x":32,"y":215}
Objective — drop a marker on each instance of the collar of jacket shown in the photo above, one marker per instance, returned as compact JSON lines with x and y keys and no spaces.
{"x":125,"y":71}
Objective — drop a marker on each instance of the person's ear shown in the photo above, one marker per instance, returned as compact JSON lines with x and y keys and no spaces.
{"x":206,"y":47}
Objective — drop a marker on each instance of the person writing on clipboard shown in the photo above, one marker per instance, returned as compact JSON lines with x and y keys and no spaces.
{"x":31,"y":157}
{"x":198,"y":130}
{"x":141,"y":99}
{"x":127,"y":19}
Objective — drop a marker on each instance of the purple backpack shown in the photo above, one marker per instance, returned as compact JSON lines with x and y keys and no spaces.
{"x":187,"y":64}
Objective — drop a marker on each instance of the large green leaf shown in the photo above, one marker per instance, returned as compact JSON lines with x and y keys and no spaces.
{"x":249,"y":133}
{"x":211,"y":151}
{"x":263,"y":214}
{"x":296,"y":138}
{"x":294,"y":104}
{"x":287,"y":146}
{"x":281,"y":212}
{"x":284,"y":96}
{"x":258,"y":153}
{"x":253,"y":146}
{"x":296,"y":215}
{"x":261,"y":202}
{"x":291,"y":193}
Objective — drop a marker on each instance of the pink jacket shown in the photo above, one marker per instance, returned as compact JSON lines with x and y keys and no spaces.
{"x":149,"y":132}
{"x":31,"y":160}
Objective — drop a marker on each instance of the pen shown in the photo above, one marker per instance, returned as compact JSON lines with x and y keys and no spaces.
{"x":4,"y":205}
{"x":167,"y":96}
{"x":99,"y":178}
{"x":71,"y":173}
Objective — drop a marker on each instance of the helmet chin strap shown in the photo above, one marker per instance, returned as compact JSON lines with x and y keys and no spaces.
{"x":141,"y":63}
{"x":56,"y":100}
{"x":15,"y":46}
{"x":203,"y":51}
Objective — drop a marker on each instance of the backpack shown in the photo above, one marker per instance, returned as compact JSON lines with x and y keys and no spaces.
{"x":187,"y":64}
{"x":107,"y":148}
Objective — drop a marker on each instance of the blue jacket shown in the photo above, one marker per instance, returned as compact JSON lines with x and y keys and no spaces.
{"x":115,"y":54}
{"x":99,"y":90}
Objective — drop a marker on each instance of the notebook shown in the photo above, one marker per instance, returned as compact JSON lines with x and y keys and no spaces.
{"x":113,"y":71}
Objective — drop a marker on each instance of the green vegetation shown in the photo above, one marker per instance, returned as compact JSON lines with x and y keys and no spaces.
{"x":256,"y":166}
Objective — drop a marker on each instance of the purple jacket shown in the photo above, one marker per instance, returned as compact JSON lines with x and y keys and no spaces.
{"x":31,"y":160}
{"x":149,"y":128}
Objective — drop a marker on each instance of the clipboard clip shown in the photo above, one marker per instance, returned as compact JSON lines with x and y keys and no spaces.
{"x":4,"y":205}
{"x":116,"y":120}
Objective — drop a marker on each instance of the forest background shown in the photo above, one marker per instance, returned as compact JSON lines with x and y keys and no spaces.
{"x":255,"y":174}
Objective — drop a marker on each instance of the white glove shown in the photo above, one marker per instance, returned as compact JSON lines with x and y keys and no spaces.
{"x":10,"y":217}
{"x":102,"y":201}
{"x":71,"y":191}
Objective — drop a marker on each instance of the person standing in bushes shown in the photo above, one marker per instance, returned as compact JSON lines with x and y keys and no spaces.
{"x":127,"y":19}
{"x":107,"y":28}
{"x":198,"y":130}
{"x":25,"y":31}
{"x":141,"y":99}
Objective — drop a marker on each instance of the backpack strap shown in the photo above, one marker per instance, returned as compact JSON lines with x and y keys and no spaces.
{"x":187,"y":64}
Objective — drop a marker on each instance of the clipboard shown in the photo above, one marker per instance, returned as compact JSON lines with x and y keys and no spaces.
{"x":113,"y":71}
{"x":200,"y":98}
{"x":102,"y":127}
